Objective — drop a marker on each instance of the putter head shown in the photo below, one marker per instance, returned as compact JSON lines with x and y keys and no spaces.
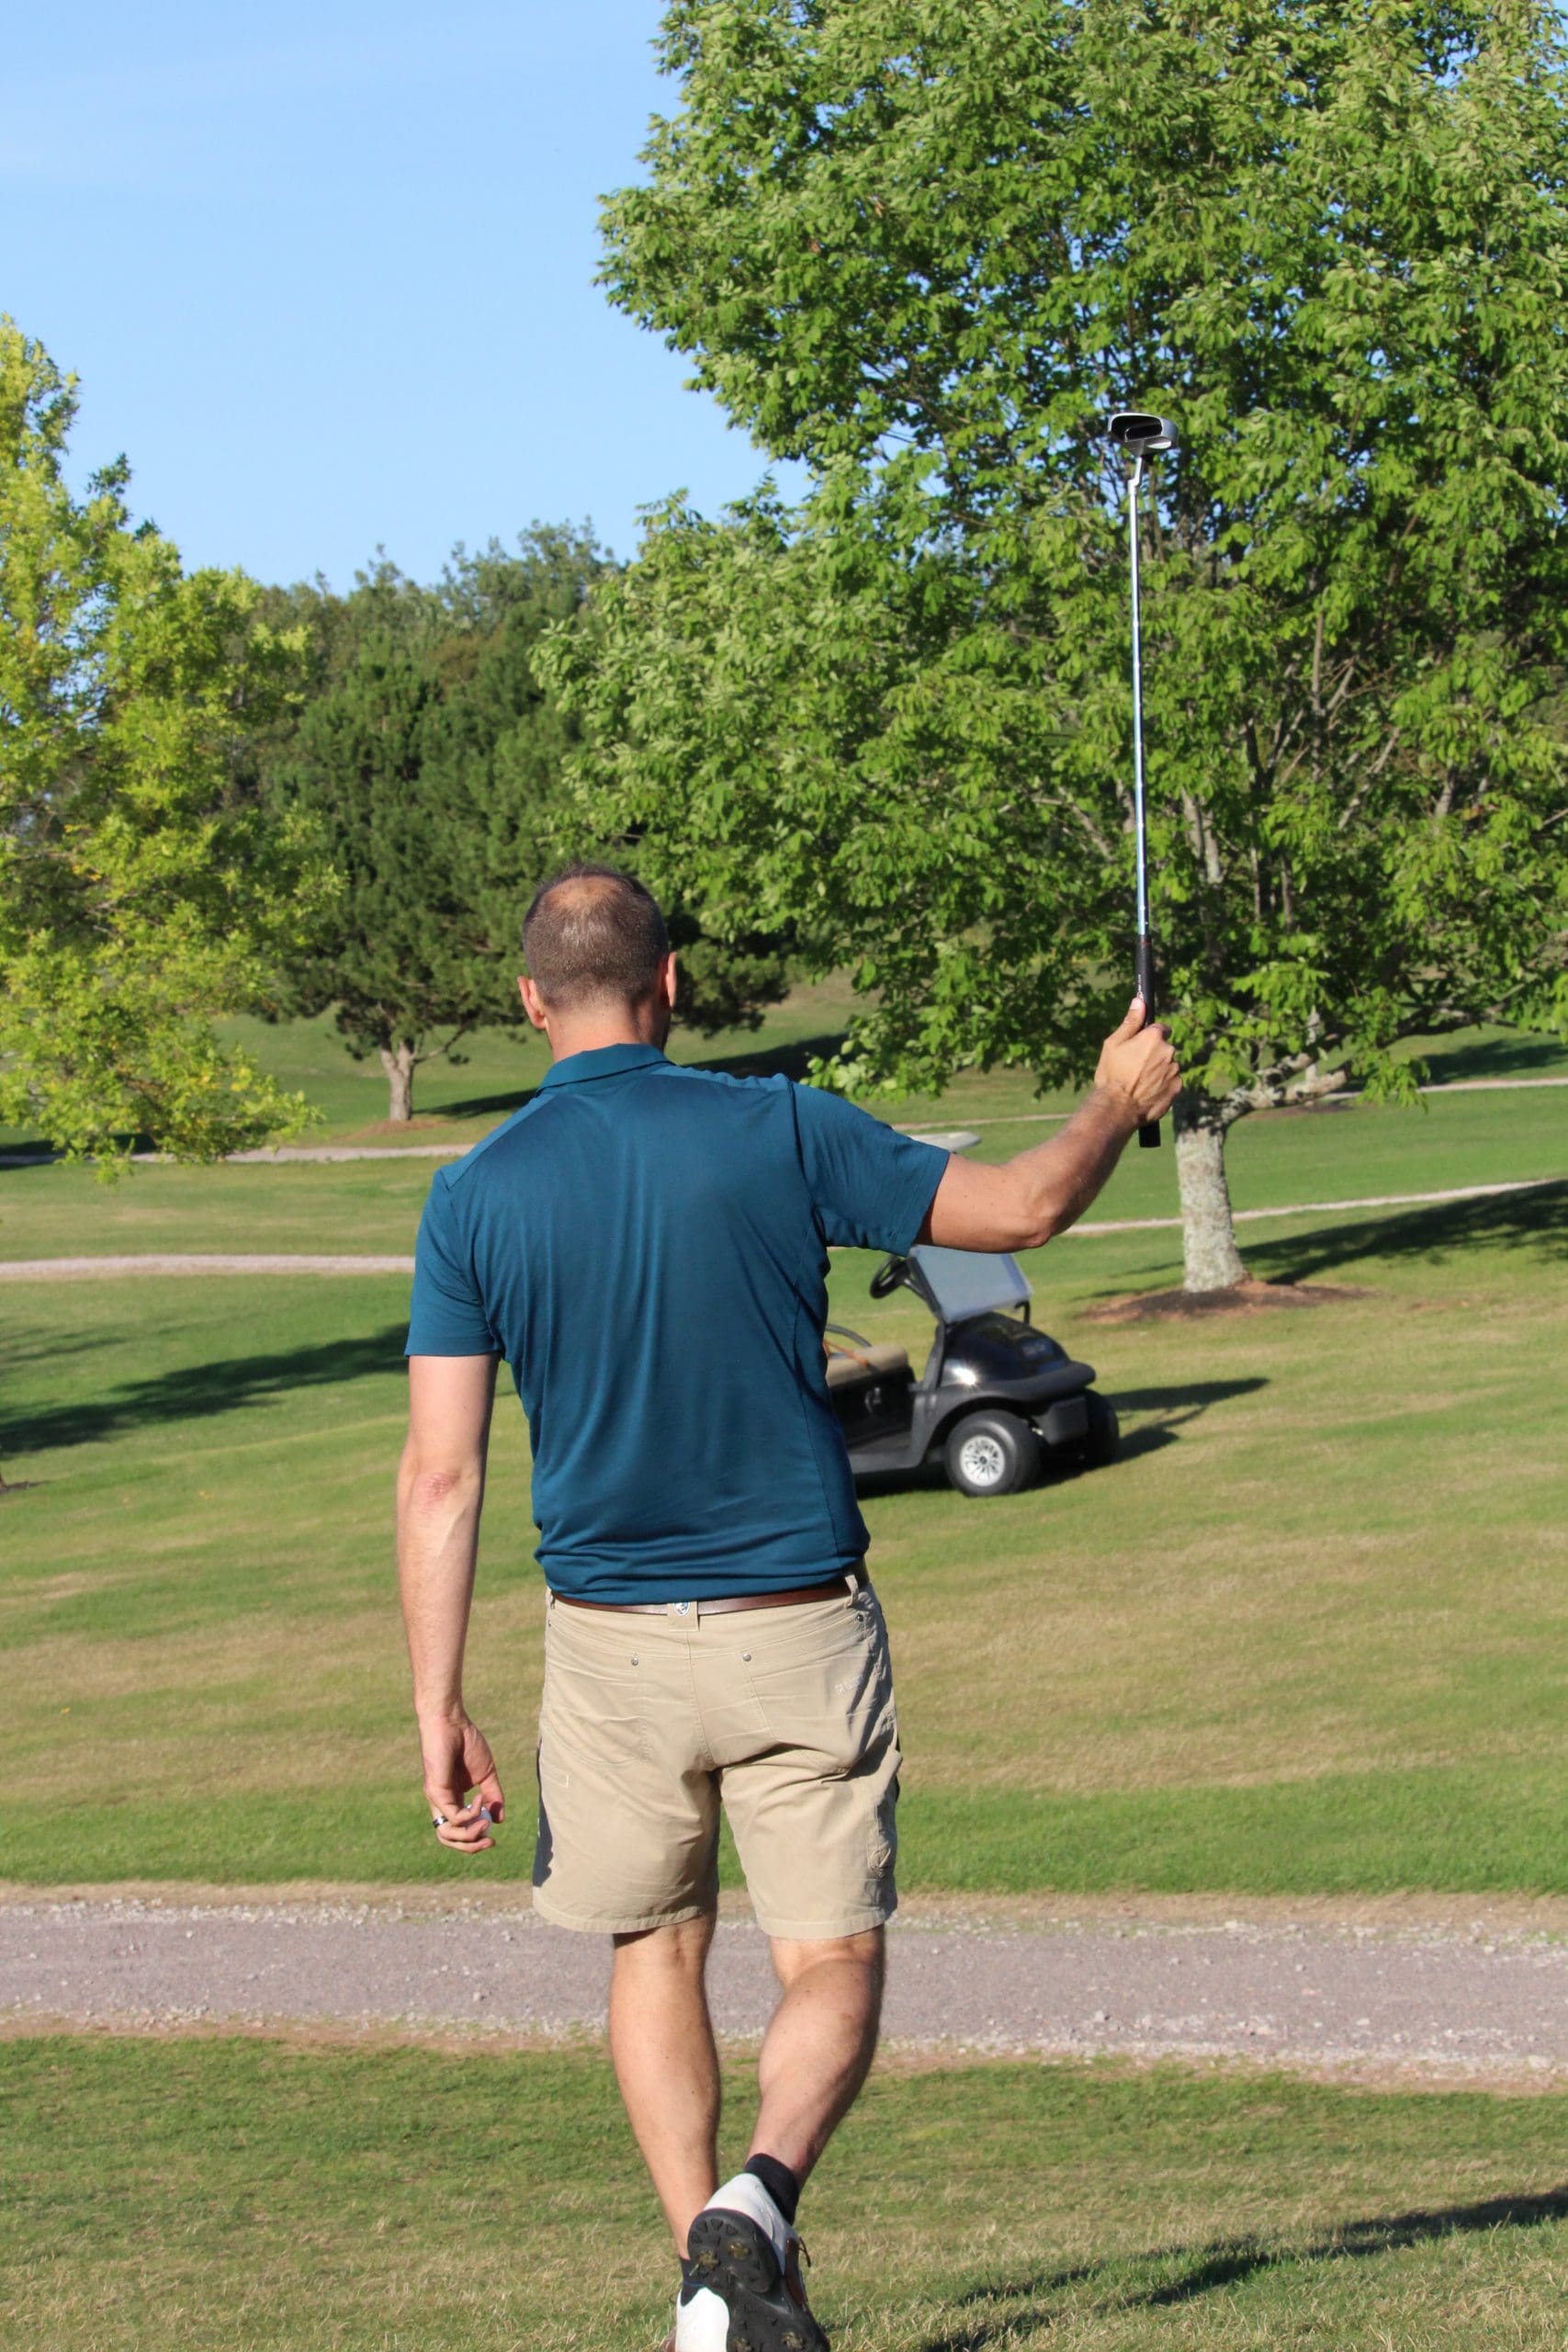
{"x":1131,"y":429}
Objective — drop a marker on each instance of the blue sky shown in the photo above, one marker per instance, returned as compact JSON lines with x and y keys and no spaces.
{"x":325,"y":272}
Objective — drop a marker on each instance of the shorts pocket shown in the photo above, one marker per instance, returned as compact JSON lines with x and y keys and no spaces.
{"x":596,"y":1693}
{"x":833,"y":1696}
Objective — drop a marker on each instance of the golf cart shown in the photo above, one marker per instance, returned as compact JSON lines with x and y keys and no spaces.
{"x":998,"y":1402}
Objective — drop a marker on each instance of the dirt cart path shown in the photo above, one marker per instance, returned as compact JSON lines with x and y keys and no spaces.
{"x":1478,"y":2001}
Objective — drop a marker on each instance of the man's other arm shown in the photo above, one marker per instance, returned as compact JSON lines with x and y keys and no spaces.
{"x":440,"y":1495}
{"x":1024,"y":1202}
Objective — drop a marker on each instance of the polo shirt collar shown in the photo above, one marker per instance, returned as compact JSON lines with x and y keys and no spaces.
{"x":604,"y":1061}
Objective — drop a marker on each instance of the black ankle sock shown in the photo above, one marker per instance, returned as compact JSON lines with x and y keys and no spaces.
{"x":780,"y":2183}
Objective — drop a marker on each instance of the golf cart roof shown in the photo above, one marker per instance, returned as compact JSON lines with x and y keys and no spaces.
{"x":970,"y":1281}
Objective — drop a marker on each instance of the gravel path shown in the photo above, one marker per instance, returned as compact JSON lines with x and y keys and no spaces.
{"x":1478,"y":2001}
{"x":213,"y":1261}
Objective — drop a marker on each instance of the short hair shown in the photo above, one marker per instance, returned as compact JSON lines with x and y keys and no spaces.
{"x":594,"y":933}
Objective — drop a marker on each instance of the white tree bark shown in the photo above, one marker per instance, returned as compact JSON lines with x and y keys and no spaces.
{"x":398,"y":1061}
{"x":1210,"y":1257}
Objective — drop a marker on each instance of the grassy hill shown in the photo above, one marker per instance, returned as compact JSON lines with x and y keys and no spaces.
{"x":1309,"y":1632}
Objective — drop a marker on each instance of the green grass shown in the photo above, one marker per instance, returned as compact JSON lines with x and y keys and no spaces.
{"x":1353,"y":1153}
{"x":247,"y":2196}
{"x":459,"y":1102}
{"x":1310,"y":1632}
{"x":505,"y":1066}
{"x":498,"y":1069}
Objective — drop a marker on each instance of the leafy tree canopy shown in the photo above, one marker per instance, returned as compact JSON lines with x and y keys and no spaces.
{"x":926,"y":246}
{"x":139,"y":895}
{"x":432,"y":760}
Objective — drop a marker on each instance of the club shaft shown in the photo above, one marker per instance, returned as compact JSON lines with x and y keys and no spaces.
{"x":1148,"y":1135}
{"x":1139,"y":833}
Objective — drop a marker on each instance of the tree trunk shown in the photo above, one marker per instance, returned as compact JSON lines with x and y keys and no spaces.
{"x":1210,"y":1257}
{"x":397,"y":1062}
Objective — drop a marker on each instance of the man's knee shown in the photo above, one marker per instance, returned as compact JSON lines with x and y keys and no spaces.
{"x":682,"y":1946}
{"x":864,"y":1952}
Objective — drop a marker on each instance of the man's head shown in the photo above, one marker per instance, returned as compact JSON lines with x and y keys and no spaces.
{"x":600,"y":968}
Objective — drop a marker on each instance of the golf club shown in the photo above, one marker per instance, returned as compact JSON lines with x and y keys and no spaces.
{"x":1141,"y":435}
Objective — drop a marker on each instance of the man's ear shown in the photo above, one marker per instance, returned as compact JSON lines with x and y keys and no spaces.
{"x":533,"y":1002}
{"x":667,"y":980}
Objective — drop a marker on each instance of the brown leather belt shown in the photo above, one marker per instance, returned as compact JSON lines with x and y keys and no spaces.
{"x":838,"y":1590}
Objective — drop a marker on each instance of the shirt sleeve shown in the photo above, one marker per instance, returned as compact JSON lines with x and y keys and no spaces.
{"x":870,"y":1186}
{"x":447,"y":1315}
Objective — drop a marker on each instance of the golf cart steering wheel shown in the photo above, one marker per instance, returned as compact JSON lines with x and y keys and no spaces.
{"x":888,"y":1276}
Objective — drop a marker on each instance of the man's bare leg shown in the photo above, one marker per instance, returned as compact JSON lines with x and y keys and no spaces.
{"x":819,"y":2049}
{"x":662,"y":2046}
{"x":816,"y":2054}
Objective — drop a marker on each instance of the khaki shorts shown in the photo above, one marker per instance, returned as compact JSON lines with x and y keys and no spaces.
{"x":648,"y":1723}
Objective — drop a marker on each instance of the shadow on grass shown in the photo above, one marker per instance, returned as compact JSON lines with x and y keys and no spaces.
{"x":1175,"y":1405}
{"x":1228,"y":2264}
{"x":193,"y":1392}
{"x":789,"y":1060}
{"x":36,"y":1151}
{"x":1520,"y":1056}
{"x":1536,"y":1219}
{"x":479,"y":1106}
{"x":42,"y":1346}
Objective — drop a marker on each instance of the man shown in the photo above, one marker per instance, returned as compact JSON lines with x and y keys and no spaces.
{"x":645,"y":1247}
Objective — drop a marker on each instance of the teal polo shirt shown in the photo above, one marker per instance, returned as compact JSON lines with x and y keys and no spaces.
{"x":647,"y":1246}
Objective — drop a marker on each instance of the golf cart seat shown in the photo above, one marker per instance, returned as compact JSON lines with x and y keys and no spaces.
{"x":873,"y":1362}
{"x":871,"y":1385}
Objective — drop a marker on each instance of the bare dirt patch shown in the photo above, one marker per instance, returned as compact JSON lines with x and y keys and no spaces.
{"x":1249,"y":1297}
{"x":1473,"y":1918}
{"x":1480,"y":1917}
{"x":898,"y":2058}
{"x":394,"y":1130}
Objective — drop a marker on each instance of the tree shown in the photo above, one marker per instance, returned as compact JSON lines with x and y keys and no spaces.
{"x":139,"y":896}
{"x":431,"y":759}
{"x":925,"y":248}
{"x":427,"y":756}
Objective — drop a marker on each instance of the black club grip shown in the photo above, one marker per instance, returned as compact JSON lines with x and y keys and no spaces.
{"x":1143,"y":962}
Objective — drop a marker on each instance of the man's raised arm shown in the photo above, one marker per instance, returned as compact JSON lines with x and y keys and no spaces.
{"x":1025,"y":1201}
{"x":440,"y":1493}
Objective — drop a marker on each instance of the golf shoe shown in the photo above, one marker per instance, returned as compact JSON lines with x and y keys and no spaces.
{"x":743,"y":2252}
{"x":702,"y":2323}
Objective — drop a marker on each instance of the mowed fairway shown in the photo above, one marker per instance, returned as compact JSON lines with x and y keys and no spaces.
{"x":1309,"y":1634}
{"x":248,"y":2196}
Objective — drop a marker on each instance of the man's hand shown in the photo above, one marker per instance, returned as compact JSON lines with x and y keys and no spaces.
{"x":457,"y":1761}
{"x":1022,"y":1204}
{"x":441,"y":1482}
{"x":1137,"y":1068}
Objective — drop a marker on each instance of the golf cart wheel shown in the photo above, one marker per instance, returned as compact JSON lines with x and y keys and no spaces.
{"x":992,"y":1453}
{"x":1103,"y":1436}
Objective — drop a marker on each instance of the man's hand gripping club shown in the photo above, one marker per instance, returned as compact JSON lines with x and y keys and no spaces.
{"x":1137,"y":1065}
{"x":1027,"y":1201}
